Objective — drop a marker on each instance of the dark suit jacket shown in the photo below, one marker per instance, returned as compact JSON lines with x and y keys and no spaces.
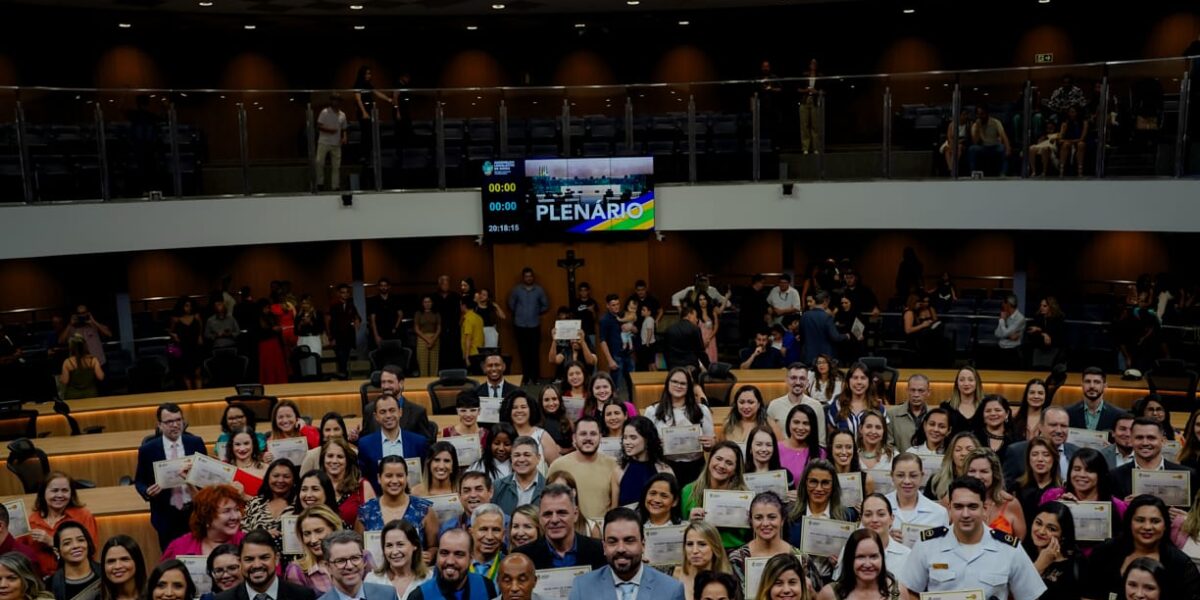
{"x":413,"y":417}
{"x":1013,"y":460}
{"x":150,"y":452}
{"x":1108,"y":416}
{"x":287,"y":591}
{"x":683,"y":346}
{"x":819,"y":334}
{"x":1123,"y":477}
{"x":370,"y":452}
{"x":485,"y":391}
{"x":589,"y":551}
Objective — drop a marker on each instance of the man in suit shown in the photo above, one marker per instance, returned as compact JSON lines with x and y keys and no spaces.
{"x":559,"y":545}
{"x":1053,"y":426}
{"x":259,"y":562}
{"x":170,"y":508}
{"x":453,"y":579}
{"x":1120,"y":452}
{"x":1093,"y":412}
{"x":818,"y":331}
{"x":495,"y":386}
{"x":517,"y":578}
{"x":413,"y":416}
{"x":390,"y":440}
{"x":343,"y":557}
{"x":525,"y":484}
{"x":1147,"y":454}
{"x":625,"y":577}
{"x":682,"y":344}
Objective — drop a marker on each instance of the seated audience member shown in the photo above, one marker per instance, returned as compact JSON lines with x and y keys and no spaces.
{"x":56,"y":504}
{"x":624,"y":546}
{"x":78,"y":577}
{"x":783,"y":300}
{"x":81,"y":372}
{"x":525,"y":484}
{"x":453,"y":578}
{"x":1052,"y":548}
{"x":1143,"y":532}
{"x":394,"y":502}
{"x":762,"y":355}
{"x":560,"y":545}
{"x":216,"y":519}
{"x":1147,"y":454}
{"x":1066,"y":96}
{"x":988,"y":141}
{"x":1088,"y":480}
{"x":124,"y":568}
{"x":1072,"y":137}
{"x":260,"y":569}
{"x":313,"y":525}
{"x":1045,"y":149}
{"x":402,"y":565}
{"x":168,"y":508}
{"x":345,"y":559}
{"x":947,"y":150}
{"x":487,"y":536}
{"x":224,"y":568}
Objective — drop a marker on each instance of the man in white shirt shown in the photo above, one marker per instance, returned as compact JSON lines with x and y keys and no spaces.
{"x":778,"y":409}
{"x":1011,"y":328}
{"x":689,"y":293}
{"x":783,"y":299}
{"x":331,"y":125}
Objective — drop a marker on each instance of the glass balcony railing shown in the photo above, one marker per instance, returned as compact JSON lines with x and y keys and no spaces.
{"x":1117,"y":119}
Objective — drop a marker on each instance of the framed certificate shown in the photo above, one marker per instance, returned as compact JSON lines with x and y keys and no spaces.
{"x":930,"y":464}
{"x":1093,"y":520}
{"x":754,"y":571}
{"x":881,"y":479}
{"x":466,"y":447}
{"x":727,"y":508}
{"x":292,"y":449}
{"x":18,"y":519}
{"x":373,"y":545}
{"x":489,"y":410}
{"x":852,"y":488}
{"x":291,"y":538}
{"x":1174,"y":487}
{"x":664,"y":545}
{"x":567,"y":329}
{"x":206,"y":471}
{"x":447,"y":506}
{"x":610,"y":446}
{"x":685,"y":439}
{"x":1086,"y":438}
{"x":911,"y":534}
{"x":555,"y":584}
{"x":574,"y":407}
{"x":415,"y":474}
{"x":197,"y":566}
{"x":171,"y":473}
{"x":956,"y":595}
{"x":824,"y":537}
{"x":768,"y":481}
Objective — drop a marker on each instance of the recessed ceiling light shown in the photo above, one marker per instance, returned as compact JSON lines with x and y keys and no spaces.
{"x":359,"y":27}
{"x":356,"y":7}
{"x":1043,"y":1}
{"x":685,"y":23}
{"x":580,"y":25}
{"x":205,"y":3}
{"x":249,"y":27}
{"x":633,"y":2}
{"x":498,"y":6}
{"x":472,"y":27}
{"x":124,"y":25}
{"x":909,"y":11}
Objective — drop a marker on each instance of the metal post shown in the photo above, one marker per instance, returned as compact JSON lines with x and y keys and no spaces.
{"x":755,"y":136}
{"x":23,"y":155}
{"x":1026,"y":127}
{"x":125,"y":321}
{"x":691,"y":138}
{"x":629,"y":123}
{"x":376,"y":155}
{"x":439,"y":141}
{"x":102,"y":153}
{"x":310,"y":134}
{"x":173,"y":140}
{"x":566,"y":128}
{"x":244,"y":143}
{"x":955,"y":109}
{"x":1181,"y":134}
{"x":821,"y":135}
{"x":887,"y":132}
{"x":503,"y":129}
{"x":1101,"y":128}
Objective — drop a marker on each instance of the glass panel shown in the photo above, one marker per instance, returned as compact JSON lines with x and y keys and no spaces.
{"x":278,"y":143}
{"x":597,"y":120}
{"x":659,"y":129}
{"x":1001,"y":94}
{"x":921,"y":109}
{"x":472,"y":126}
{"x":534,"y":122}
{"x":61,"y":137}
{"x":725,"y":134}
{"x":11,"y":189}
{"x":853,"y":128}
{"x":1143,"y":116}
{"x":407,"y":141}
{"x":208,"y":143}
{"x":1052,"y":97}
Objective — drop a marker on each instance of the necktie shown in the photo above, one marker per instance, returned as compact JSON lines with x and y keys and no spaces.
{"x":495,"y":391}
{"x":177,"y":499}
{"x":627,"y":590}
{"x":261,"y":596}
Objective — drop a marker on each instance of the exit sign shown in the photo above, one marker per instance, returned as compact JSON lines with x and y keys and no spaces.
{"x":1043,"y":58}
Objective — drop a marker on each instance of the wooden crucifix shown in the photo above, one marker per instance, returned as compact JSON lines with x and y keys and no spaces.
{"x":570,"y":263}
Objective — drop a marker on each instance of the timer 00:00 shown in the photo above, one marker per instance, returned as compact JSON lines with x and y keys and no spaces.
{"x":502,"y":187}
{"x":502,"y":206}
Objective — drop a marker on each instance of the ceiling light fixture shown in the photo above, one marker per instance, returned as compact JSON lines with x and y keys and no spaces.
{"x":909,"y":11}
{"x":633,"y":2}
{"x":249,"y":27}
{"x":685,"y":23}
{"x":356,"y":7}
{"x":359,"y":27}
{"x":124,"y":25}
{"x":472,"y":27}
{"x":205,"y":3}
{"x":580,"y":25}
{"x":497,"y":7}
{"x":1043,"y":1}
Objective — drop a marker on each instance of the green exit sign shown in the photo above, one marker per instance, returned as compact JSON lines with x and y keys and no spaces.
{"x":1042,"y":59}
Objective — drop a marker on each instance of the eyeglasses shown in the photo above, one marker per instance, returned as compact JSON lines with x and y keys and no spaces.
{"x":820,"y":483}
{"x":349,"y":561}
{"x":217,"y":572}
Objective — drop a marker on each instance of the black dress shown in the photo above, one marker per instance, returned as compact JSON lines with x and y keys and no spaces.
{"x":1104,"y":573}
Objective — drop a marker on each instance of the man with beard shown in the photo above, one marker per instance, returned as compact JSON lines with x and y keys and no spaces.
{"x":487,"y":537}
{"x":594,"y":473}
{"x":413,"y":417}
{"x":1147,"y":456}
{"x":518,"y":578}
{"x":454,"y":579}
{"x":259,"y":562}
{"x":1092,"y":412}
{"x":625,"y":577}
{"x":344,"y":560}
{"x":797,"y":387}
{"x":560,"y":546}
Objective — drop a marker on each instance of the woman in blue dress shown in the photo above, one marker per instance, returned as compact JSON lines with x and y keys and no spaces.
{"x":396,"y":503}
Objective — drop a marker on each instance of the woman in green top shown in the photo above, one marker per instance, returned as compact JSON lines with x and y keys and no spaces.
{"x":81,"y":372}
{"x":723,"y":472}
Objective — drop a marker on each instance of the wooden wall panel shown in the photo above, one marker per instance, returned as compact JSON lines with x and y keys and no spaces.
{"x":413,"y":265}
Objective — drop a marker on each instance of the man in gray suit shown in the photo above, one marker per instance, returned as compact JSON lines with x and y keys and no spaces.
{"x":625,"y":577}
{"x":343,"y":557}
{"x":1054,"y":427}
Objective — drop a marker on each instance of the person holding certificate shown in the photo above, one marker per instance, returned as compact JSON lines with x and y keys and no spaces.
{"x":466,"y":406}
{"x":767,"y":525}
{"x":313,"y":525}
{"x":1088,"y":480}
{"x":439,"y":476}
{"x":242,"y":452}
{"x":954,"y":464}
{"x":820,"y":496}
{"x":801,"y":446}
{"x":1051,"y":546}
{"x":286,"y":423}
{"x":702,"y":552}
{"x":678,"y":407}
{"x":641,"y":458}
{"x":273,"y":502}
{"x":748,"y":413}
{"x":868,"y":576}
{"x":1148,"y":456}
{"x":1145,"y":533}
{"x":723,"y":472}
{"x":843,"y":452}
{"x":762,"y":455}
{"x":910,"y":506}
{"x":659,"y":504}
{"x":402,"y":565}
{"x":878,"y":516}
{"x":390,"y":440}
{"x":216,"y":519}
{"x":169,"y":507}
{"x":396,"y":503}
{"x":525,"y":415}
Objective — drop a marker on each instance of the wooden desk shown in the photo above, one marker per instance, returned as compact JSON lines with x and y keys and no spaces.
{"x":118,"y":509}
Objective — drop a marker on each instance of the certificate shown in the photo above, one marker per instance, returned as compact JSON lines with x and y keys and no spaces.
{"x":292,"y":449}
{"x":664,"y":545}
{"x":555,"y":584}
{"x":727,"y":508}
{"x":956,"y":595}
{"x":567,"y":329}
{"x":18,"y":519}
{"x":1093,"y":520}
{"x":291,"y":538}
{"x":930,"y":464}
{"x":768,"y":481}
{"x":373,"y":545}
{"x":882,"y":480}
{"x":611,"y":446}
{"x":489,"y":410}
{"x":911,"y":534}
{"x":754,"y":571}
{"x":171,"y":473}
{"x":678,"y":441}
{"x":1086,"y":438}
{"x":447,"y":506}
{"x":466,"y":447}
{"x":1174,"y":487}
{"x":1171,"y":450}
{"x":573,"y":405}
{"x":414,"y":471}
{"x":852,"y":488}
{"x":197,"y":567}
{"x":825,"y":537}
{"x":206,"y":471}
{"x":218,"y":451}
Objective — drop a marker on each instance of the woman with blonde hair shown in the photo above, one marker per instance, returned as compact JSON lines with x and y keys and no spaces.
{"x":702,"y":551}
{"x":784,"y":578}
{"x":1002,"y":511}
{"x":724,"y":471}
{"x":313,"y":525}
{"x":965,"y":400}
{"x":524,"y":527}
{"x":953,"y":464}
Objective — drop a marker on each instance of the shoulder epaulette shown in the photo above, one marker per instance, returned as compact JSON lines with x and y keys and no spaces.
{"x":935,"y":532}
{"x":1006,"y":538}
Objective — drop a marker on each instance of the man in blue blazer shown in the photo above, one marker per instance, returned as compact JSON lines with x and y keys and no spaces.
{"x":625,"y":577}
{"x":388,"y":441}
{"x":170,"y":508}
{"x":344,"y":557}
{"x":1053,"y":427}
